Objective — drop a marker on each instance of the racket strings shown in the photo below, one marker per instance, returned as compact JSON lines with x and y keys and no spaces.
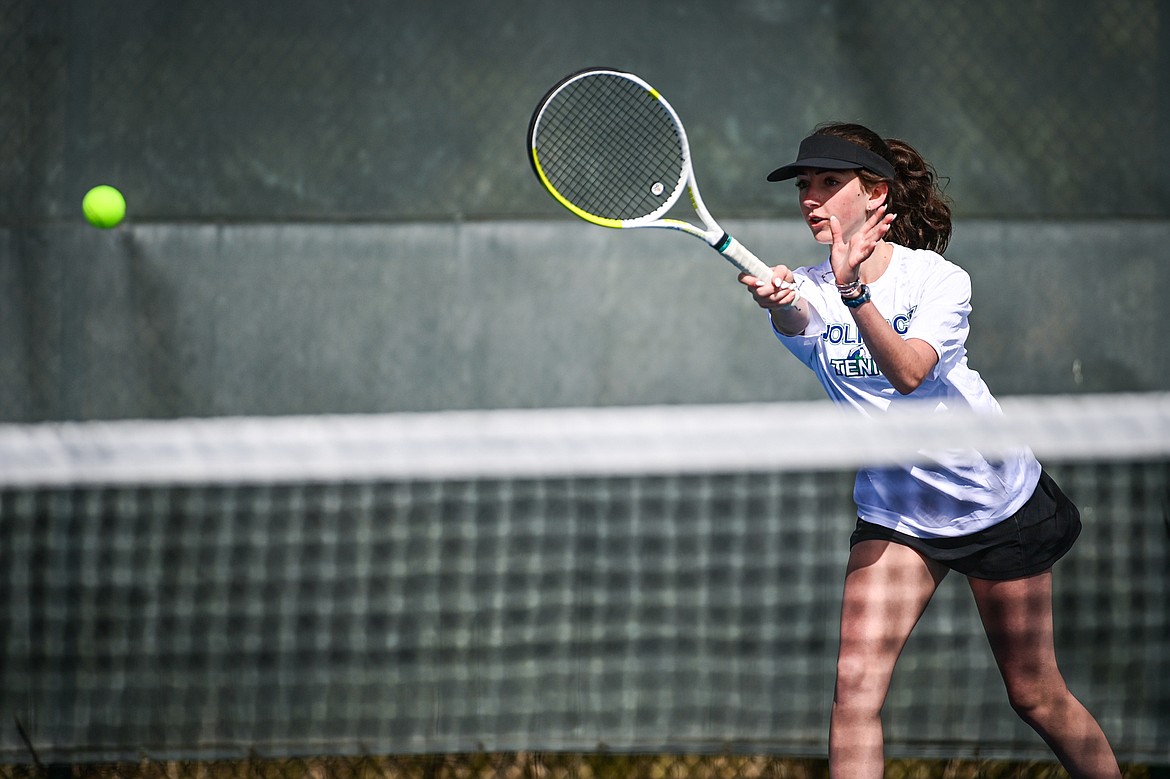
{"x":610,"y":147}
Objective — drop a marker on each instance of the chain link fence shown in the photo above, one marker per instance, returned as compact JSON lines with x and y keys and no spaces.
{"x":368,"y":110}
{"x":303,"y":177}
{"x":300,"y":118}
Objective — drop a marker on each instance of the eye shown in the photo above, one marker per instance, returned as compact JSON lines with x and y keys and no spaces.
{"x":802,"y":184}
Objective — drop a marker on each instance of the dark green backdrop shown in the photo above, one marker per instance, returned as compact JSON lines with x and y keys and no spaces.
{"x":330,"y":208}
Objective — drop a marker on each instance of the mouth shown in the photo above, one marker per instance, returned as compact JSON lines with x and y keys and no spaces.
{"x":815,"y":221}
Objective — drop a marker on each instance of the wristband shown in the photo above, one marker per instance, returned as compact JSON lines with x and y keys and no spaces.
{"x":859,"y":300}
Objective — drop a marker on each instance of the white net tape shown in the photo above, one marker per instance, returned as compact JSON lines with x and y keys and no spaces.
{"x":568,"y":442}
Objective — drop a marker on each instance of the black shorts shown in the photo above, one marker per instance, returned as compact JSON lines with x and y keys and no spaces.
{"x":1026,"y":543}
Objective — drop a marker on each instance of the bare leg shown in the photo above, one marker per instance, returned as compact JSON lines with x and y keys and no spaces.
{"x":887,"y":587}
{"x":1017,"y":616}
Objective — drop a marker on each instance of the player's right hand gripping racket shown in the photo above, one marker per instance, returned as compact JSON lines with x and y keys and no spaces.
{"x":612,"y":150}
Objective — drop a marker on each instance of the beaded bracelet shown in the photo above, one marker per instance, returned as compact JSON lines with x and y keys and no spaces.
{"x":861,"y":299}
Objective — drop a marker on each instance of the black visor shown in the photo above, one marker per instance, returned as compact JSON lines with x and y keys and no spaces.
{"x":828,"y":152}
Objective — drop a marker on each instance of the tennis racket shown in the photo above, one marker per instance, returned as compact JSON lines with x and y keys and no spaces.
{"x":610,"y":149}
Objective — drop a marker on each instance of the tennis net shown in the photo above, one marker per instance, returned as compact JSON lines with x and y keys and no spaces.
{"x":630,"y":580}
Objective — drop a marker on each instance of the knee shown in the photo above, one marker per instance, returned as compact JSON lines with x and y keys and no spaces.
{"x":859,"y":685}
{"x":1025,"y":702}
{"x":1032,"y":699}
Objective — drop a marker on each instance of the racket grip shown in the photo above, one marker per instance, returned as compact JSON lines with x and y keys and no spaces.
{"x":739,"y":256}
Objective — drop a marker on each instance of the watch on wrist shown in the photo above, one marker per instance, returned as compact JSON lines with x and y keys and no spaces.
{"x":861,"y":298}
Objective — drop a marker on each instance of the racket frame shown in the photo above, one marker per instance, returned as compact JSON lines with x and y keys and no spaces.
{"x":711,"y":233}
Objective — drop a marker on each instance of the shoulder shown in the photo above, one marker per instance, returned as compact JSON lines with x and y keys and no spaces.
{"x":925,"y":258}
{"x":929,"y":267}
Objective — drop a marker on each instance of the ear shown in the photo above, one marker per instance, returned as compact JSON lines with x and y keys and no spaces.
{"x":878,"y":195}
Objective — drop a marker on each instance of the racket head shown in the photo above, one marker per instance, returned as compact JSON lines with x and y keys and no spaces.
{"x":608,"y":147}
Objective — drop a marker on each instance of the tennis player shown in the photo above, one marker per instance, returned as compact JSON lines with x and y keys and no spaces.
{"x":883,"y":321}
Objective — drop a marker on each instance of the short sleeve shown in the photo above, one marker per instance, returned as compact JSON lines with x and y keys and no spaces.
{"x":941,"y":318}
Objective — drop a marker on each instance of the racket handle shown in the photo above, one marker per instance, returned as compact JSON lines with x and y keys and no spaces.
{"x":739,"y":256}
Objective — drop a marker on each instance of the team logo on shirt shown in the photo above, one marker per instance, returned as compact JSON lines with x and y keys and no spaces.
{"x":858,"y":363}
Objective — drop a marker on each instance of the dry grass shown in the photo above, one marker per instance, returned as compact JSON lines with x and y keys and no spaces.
{"x":534,"y":765}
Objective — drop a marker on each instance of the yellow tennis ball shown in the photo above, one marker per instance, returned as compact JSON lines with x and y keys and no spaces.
{"x":104,"y":206}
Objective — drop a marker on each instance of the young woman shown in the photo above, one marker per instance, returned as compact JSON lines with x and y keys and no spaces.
{"x":884,"y":320}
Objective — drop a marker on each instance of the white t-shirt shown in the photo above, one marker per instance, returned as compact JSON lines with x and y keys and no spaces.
{"x":922,"y":296}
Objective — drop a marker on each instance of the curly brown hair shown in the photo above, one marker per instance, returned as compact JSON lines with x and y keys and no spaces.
{"x":924,"y":212}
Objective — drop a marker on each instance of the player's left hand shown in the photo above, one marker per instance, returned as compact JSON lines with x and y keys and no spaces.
{"x":846,"y":256}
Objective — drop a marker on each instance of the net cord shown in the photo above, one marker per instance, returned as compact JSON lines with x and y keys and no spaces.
{"x":568,"y":442}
